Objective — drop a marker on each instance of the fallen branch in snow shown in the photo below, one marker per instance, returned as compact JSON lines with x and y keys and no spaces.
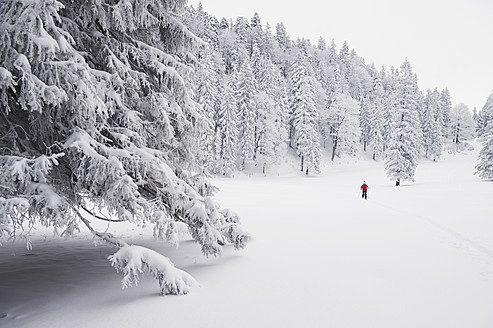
{"x":134,"y":260}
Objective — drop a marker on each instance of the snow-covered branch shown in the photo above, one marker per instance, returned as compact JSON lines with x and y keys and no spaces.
{"x":133,"y":261}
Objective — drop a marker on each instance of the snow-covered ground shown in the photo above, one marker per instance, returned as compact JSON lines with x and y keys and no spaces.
{"x":419,"y":255}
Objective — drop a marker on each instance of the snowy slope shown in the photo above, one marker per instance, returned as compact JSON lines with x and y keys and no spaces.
{"x":419,"y":255}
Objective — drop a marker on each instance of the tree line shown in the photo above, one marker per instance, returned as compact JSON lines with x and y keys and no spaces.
{"x":265,"y":94}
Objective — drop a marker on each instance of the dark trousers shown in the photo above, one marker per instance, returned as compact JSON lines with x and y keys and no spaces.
{"x":364,"y":194}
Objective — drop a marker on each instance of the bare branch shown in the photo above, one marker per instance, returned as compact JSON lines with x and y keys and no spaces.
{"x":109,"y":238}
{"x":100,"y":217}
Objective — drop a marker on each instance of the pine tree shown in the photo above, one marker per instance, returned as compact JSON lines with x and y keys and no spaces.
{"x":282,"y":36}
{"x":485,"y":115}
{"x":227,"y":131}
{"x":432,"y":139}
{"x":406,"y":139}
{"x":475,"y":115}
{"x":446,"y":109}
{"x":201,"y":24}
{"x":485,"y":166}
{"x":389,"y":82}
{"x":376,"y":133}
{"x":110,"y":127}
{"x":207,"y":94}
{"x":345,"y":68}
{"x":244,"y":94}
{"x":305,"y":117}
{"x":365,"y":115}
{"x":223,"y":24}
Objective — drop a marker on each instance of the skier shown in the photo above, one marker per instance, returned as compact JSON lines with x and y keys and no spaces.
{"x":364,"y":188}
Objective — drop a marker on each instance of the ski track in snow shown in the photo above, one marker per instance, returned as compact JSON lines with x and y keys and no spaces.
{"x":481,"y":249}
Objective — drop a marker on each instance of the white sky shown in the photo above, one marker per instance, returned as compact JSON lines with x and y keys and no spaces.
{"x":448,"y":42}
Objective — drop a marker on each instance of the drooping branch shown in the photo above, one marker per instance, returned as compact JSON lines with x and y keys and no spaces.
{"x":107,"y":237}
{"x":100,"y":217}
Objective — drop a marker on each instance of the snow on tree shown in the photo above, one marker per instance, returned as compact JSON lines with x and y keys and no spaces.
{"x":240,"y":27}
{"x":265,"y":73}
{"x":432,"y":130}
{"x":377,"y":132}
{"x":282,"y":36}
{"x":97,"y":114}
{"x":201,"y":24}
{"x":344,"y":125}
{"x":345,"y":67}
{"x":405,"y":145}
{"x":246,"y":107}
{"x":484,"y":116}
{"x":389,"y":83}
{"x":475,"y":115}
{"x":304,"y":113}
{"x":484,"y":169}
{"x":270,"y":138}
{"x":270,"y":132}
{"x":361,"y":82}
{"x":377,"y":119}
{"x":207,"y":94}
{"x":462,"y":125}
{"x":365,"y":116}
{"x":446,"y":111}
{"x":322,"y":45}
{"x":132,"y":260}
{"x":227,"y":131}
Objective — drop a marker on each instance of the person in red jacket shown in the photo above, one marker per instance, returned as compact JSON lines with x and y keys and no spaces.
{"x":364,"y":188}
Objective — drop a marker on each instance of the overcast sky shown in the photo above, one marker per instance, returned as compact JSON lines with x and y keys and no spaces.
{"x":448,"y":42}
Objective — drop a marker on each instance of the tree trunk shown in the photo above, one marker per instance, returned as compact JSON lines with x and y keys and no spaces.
{"x":302,"y":163}
{"x":398,"y":182}
{"x":291,"y":135}
{"x":457,"y":133}
{"x":334,"y":147}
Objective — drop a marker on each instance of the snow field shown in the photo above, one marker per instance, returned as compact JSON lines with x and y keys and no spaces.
{"x":418,"y":255}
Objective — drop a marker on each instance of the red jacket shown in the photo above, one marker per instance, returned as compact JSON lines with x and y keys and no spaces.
{"x":364,"y":186}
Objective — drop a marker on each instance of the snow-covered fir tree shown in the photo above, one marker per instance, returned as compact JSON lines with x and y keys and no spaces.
{"x":389,"y":83}
{"x":365,"y":115}
{"x":484,"y":116}
{"x":226,"y":135}
{"x":405,"y":145}
{"x":484,"y":169}
{"x":247,"y":114}
{"x":432,"y":130}
{"x":377,"y":119}
{"x":88,"y":128}
{"x":207,"y":94}
{"x":446,"y":113}
{"x":304,"y":112}
{"x":282,"y":36}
